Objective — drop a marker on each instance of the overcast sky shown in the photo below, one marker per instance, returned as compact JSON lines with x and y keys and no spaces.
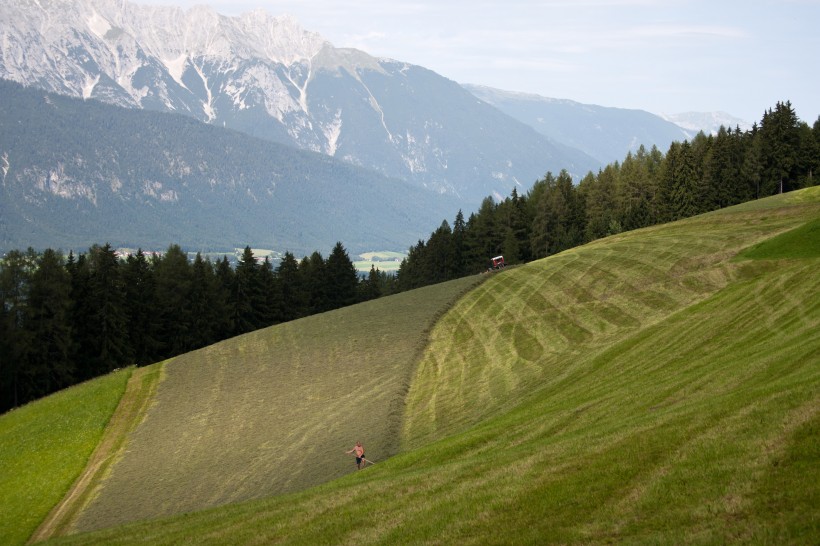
{"x":664,"y":56}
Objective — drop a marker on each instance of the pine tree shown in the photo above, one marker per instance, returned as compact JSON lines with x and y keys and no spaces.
{"x":635,"y":191}
{"x":138,"y":279}
{"x":15,"y":280}
{"x":459,"y":245}
{"x":110,"y":347}
{"x":294,"y":298}
{"x":269,"y":307}
{"x":207,"y":303}
{"x":780,"y":142}
{"x":341,"y":278}
{"x":751,"y":168}
{"x":312,"y":270}
{"x":224,"y":281}
{"x":682,"y":175}
{"x":49,"y":366}
{"x":371,"y":287}
{"x":82,"y":317}
{"x":174,"y":313}
{"x":720,"y":172}
{"x":600,"y":202}
{"x":484,"y":238}
{"x":439,"y":262}
{"x":247,"y":294}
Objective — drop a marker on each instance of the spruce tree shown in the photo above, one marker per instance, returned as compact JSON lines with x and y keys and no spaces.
{"x":15,"y":345}
{"x":247,"y":294}
{"x":49,"y":366}
{"x":341,"y":278}
{"x":223,"y":299}
{"x":174,"y":313}
{"x":294,"y":298}
{"x":109,"y":345}
{"x":140,"y":297}
{"x":779,"y":134}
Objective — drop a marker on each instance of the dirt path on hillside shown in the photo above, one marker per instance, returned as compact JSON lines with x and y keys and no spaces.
{"x":129,"y":413}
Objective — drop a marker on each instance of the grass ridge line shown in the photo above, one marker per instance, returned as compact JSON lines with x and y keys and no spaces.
{"x":398,"y":417}
{"x":139,"y":391}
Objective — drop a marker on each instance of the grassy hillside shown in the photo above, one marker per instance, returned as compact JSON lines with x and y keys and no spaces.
{"x":45,"y":445}
{"x":541,"y":325}
{"x":654,"y":387}
{"x":273,"y":411}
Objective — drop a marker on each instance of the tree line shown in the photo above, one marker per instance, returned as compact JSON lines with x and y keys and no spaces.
{"x":67,"y":319}
{"x":779,"y":154}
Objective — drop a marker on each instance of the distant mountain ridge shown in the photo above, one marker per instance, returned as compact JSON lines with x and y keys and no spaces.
{"x":707,"y":122}
{"x":74,"y":173}
{"x":605,"y":133}
{"x":270,"y":78}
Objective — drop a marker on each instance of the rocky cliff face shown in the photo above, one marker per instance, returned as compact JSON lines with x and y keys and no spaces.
{"x":269,"y":77}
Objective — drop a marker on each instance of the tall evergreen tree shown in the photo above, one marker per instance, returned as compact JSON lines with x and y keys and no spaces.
{"x":780,"y":144}
{"x":460,"y":251}
{"x":140,"y":297}
{"x":110,"y":347}
{"x":206,"y":302}
{"x":49,"y":366}
{"x":601,"y":203}
{"x":312,"y":270}
{"x":15,"y":345}
{"x":224,"y":281}
{"x":439,"y":261}
{"x":635,"y":191}
{"x":484,"y":238}
{"x":269,"y":307}
{"x":371,"y":287}
{"x":247,"y":294}
{"x":82,"y":316}
{"x":341,"y":278}
{"x":174,"y":313}
{"x":294,"y":297}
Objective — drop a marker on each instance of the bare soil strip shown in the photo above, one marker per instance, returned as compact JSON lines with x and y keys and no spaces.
{"x":129,"y":413}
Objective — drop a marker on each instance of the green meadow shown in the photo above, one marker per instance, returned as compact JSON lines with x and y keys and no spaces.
{"x":45,"y":445}
{"x":387,"y":262}
{"x":659,"y":386}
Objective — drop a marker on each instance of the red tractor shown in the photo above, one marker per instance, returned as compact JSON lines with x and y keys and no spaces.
{"x":498,"y":262}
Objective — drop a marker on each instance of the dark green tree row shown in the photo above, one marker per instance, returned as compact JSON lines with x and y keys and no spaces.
{"x":780,"y":154}
{"x":67,"y":319}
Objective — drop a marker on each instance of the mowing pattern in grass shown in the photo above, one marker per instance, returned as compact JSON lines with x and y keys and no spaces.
{"x":699,"y":426}
{"x":130,"y":411}
{"x":525,"y":330}
{"x":273,"y":411}
{"x":44,"y":447}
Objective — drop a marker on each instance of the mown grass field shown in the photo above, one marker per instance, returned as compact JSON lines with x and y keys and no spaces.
{"x":658,"y":387}
{"x":45,"y":445}
{"x":273,"y":411}
{"x":661,"y":386}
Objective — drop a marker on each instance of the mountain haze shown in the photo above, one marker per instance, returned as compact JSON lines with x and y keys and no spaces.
{"x":708,"y":122}
{"x":268,"y":77}
{"x":607,"y":134}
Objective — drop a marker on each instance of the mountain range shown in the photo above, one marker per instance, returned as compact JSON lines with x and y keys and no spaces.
{"x":74,"y":173}
{"x":269,"y":78}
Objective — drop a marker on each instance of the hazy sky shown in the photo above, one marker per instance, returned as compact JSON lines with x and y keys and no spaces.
{"x":664,"y":56}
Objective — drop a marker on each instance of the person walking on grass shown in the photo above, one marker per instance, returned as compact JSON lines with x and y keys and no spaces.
{"x":358,"y":449}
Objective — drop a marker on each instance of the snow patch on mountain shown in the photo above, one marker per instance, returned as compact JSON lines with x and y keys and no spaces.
{"x":707,"y":122}
{"x":332,"y":132}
